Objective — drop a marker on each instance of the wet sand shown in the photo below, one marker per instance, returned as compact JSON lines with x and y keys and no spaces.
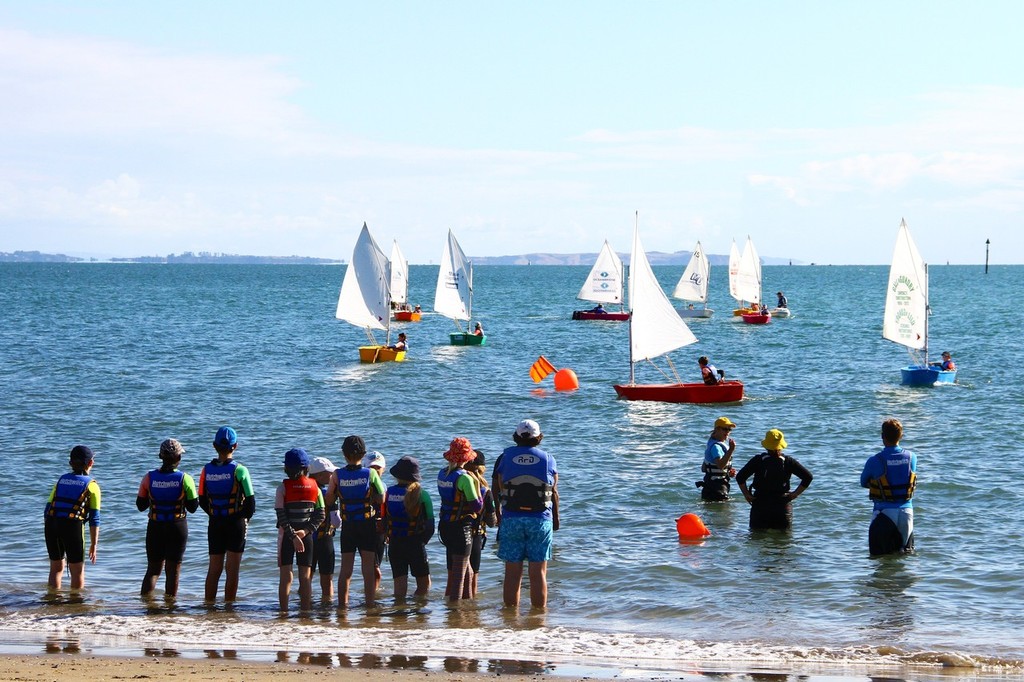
{"x":51,"y":668}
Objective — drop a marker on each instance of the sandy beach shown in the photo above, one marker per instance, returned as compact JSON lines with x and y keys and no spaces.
{"x":49,"y":668}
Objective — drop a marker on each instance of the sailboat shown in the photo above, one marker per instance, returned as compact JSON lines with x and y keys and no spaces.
{"x":603,"y":285}
{"x":907,"y":310}
{"x":365,"y":299}
{"x":693,"y":285}
{"x":655,"y":329}
{"x":453,"y":296}
{"x":400,"y":287}
{"x":748,"y":286}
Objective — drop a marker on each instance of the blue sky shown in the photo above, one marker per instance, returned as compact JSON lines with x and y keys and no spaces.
{"x":267,"y":128}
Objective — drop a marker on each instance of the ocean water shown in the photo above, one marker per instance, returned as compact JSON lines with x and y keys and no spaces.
{"x":120,"y":356}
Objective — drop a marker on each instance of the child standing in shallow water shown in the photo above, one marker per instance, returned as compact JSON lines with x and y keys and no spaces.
{"x":75,"y":499}
{"x":409,"y":519}
{"x":300,"y":511}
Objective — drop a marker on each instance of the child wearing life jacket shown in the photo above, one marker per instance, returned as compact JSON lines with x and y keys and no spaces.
{"x":300,"y":511}
{"x":460,"y":504}
{"x":375,"y":460}
{"x":169,"y":496}
{"x":75,"y":499}
{"x":486,"y":519}
{"x":325,"y":560}
{"x":409,"y":520}
{"x":361,"y":493}
{"x":226,"y":495}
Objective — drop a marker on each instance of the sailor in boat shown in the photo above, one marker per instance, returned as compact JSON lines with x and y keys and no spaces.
{"x":947,"y":364}
{"x":782,"y":303}
{"x":890,"y":477}
{"x":417,"y":309}
{"x":764,"y":309}
{"x":401,"y":344}
{"x":599,"y":309}
{"x":708,"y":372}
{"x":717,"y":465}
{"x":478,"y":330}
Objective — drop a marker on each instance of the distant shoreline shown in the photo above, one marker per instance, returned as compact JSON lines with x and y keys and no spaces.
{"x":587,"y":259}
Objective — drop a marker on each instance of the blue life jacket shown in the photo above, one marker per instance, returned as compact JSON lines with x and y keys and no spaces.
{"x":70,"y":498}
{"x":166,"y":496}
{"x":402,"y":525}
{"x":354,"y":490}
{"x":221,"y":487}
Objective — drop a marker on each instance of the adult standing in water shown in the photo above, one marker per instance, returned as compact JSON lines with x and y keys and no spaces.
{"x":771,"y":502}
{"x":169,"y":496}
{"x":890,"y":477}
{"x":717,"y":464}
{"x":75,"y":499}
{"x":226,"y":495}
{"x":526,"y":482}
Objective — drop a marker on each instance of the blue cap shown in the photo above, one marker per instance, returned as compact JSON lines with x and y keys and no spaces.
{"x":296,"y":458}
{"x":81,"y":453}
{"x":226,"y":437}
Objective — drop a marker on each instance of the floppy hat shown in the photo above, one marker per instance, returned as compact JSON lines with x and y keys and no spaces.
{"x":226,"y":437}
{"x":374,"y":459}
{"x":774,"y":440}
{"x":320,"y":464}
{"x":459,"y":451}
{"x":406,"y":469}
{"x":724,"y":423}
{"x":528,"y":428}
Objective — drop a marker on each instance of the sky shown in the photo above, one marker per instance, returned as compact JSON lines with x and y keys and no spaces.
{"x":268,"y":128}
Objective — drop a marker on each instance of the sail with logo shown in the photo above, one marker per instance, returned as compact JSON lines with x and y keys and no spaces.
{"x":693,"y":285}
{"x":604,"y":285}
{"x":907,"y":311}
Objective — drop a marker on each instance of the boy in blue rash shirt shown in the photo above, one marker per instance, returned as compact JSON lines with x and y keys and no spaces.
{"x":75,"y":498}
{"x":890,"y":477}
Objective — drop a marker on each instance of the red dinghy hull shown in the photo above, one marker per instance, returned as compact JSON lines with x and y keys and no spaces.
{"x":590,"y":315}
{"x":723,"y":392}
{"x":407,"y":316}
{"x":757,"y":319}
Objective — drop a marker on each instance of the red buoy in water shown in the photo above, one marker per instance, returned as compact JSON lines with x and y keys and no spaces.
{"x":565,"y":380}
{"x":690,"y":527}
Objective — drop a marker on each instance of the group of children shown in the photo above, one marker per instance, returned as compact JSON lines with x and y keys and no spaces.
{"x":316,"y":501}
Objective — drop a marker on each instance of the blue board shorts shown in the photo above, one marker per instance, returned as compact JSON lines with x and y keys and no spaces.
{"x":525,"y":538}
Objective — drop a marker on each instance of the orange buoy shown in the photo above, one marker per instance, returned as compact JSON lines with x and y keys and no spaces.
{"x":565,"y":380}
{"x":689,"y":526}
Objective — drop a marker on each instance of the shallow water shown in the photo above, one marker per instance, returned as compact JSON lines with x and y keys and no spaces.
{"x":121,"y":356}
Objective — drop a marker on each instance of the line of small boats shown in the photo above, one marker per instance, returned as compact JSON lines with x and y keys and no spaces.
{"x":374,"y":285}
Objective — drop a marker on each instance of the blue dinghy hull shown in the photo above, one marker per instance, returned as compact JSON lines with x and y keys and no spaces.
{"x":921,"y":375}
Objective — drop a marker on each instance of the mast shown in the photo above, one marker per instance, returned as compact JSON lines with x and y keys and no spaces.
{"x":927,"y":314}
{"x":632,"y":259}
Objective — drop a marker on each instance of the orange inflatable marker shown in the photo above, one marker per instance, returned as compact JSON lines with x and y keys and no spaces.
{"x":690,"y":527}
{"x":565,"y":380}
{"x":541,"y":369}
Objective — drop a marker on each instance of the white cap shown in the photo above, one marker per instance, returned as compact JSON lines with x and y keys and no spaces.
{"x":374,"y":459}
{"x":528,"y":428}
{"x":319,"y":464}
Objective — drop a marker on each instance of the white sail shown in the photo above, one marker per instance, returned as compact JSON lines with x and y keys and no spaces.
{"x":693,"y":285}
{"x":365,"y":298}
{"x":399,"y":276}
{"x":604,"y":283}
{"x":734,"y":270}
{"x":655,"y":327}
{"x":748,"y":276}
{"x":454,"y":294}
{"x":906,"y":298}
